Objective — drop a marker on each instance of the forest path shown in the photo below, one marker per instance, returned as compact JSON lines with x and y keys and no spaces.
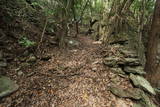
{"x":71,"y":78}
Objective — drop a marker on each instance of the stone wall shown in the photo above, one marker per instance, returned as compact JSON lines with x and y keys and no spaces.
{"x":122,"y":58}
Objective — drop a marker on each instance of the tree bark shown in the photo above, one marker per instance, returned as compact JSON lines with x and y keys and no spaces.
{"x":152,"y":68}
{"x":141,"y":21}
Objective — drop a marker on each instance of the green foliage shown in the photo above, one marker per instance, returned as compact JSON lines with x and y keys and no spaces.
{"x":35,"y":4}
{"x":149,"y":6}
{"x":58,"y":13}
{"x":24,"y":41}
{"x":98,"y":6}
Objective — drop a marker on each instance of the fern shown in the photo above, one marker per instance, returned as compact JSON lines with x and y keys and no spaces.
{"x":26,"y":42}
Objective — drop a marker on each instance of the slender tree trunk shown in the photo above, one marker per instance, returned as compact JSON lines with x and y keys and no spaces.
{"x":75,"y":20}
{"x":119,"y":11}
{"x":43,"y":32}
{"x":127,"y":5}
{"x":112,"y":9}
{"x":77,"y":28}
{"x":152,"y":68}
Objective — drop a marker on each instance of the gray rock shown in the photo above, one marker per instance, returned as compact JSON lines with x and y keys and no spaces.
{"x":7,"y":86}
{"x":20,"y":73}
{"x":132,"y":61}
{"x":157,"y":90}
{"x":1,"y":55}
{"x":146,"y":101}
{"x":158,"y":57}
{"x":73,"y":43}
{"x":116,"y":46}
{"x":22,"y":59}
{"x":129,"y":53}
{"x":136,"y":94}
{"x":26,"y":53}
{"x":113,"y":61}
{"x":3,"y":64}
{"x":141,"y":82}
{"x":137,"y":105}
{"x":121,"y":38}
{"x":117,"y":70}
{"x":110,"y":61}
{"x":94,"y":69}
{"x":132,"y":94}
{"x":135,"y":70}
{"x":24,"y":65}
{"x":31,"y":59}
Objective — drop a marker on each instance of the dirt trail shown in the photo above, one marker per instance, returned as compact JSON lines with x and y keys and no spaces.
{"x":72,"y":78}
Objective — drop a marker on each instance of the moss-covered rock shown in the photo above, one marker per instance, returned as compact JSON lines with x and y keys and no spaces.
{"x":7,"y":86}
{"x":117,"y":71}
{"x":128,"y":53}
{"x":113,"y":61}
{"x":121,"y":38}
{"x":142,"y":83}
{"x":135,"y":70}
{"x":132,"y":94}
{"x":132,"y":61}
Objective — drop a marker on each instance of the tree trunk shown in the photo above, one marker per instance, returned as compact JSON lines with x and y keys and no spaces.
{"x":127,"y":5}
{"x":152,"y":68}
{"x":115,"y":24}
{"x":77,"y":28}
{"x":141,"y":21}
{"x":113,"y":9}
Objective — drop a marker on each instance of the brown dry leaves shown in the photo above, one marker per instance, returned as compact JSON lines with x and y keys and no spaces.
{"x":72,"y":78}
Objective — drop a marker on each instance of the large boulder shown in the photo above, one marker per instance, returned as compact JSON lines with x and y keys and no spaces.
{"x":7,"y":86}
{"x":142,"y":83}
